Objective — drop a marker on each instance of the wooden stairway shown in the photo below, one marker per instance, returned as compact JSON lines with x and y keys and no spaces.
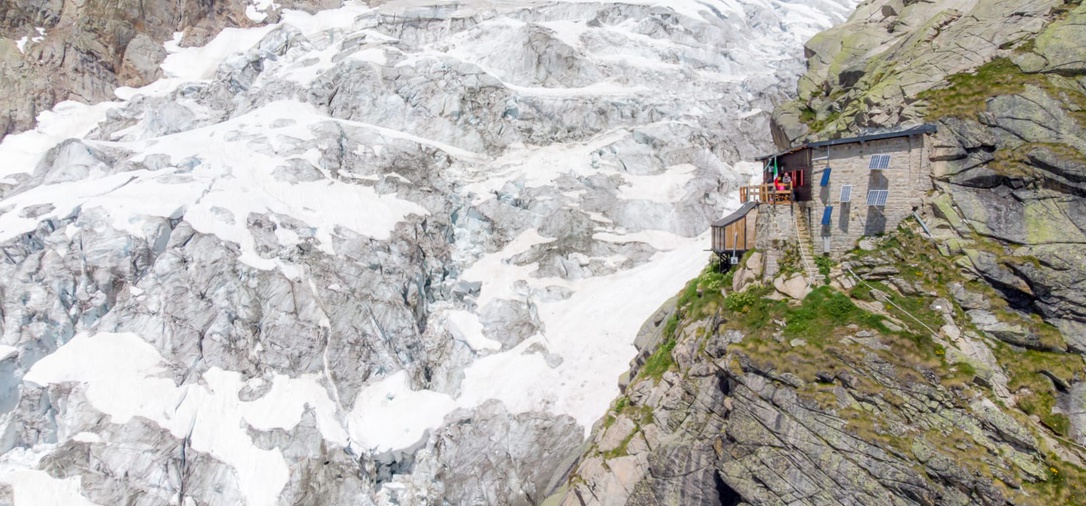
{"x":806,"y":245}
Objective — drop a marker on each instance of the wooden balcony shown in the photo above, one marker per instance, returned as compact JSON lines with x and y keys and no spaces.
{"x":766,"y":194}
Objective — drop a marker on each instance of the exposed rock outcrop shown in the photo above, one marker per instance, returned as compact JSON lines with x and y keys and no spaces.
{"x":82,"y":50}
{"x":743,"y":400}
{"x":1006,"y":87}
{"x":868,"y":72}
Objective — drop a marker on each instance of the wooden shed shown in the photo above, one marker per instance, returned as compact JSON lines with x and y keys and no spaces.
{"x":734,"y":234}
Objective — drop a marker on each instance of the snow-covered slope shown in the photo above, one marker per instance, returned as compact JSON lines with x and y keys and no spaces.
{"x":373,"y":254}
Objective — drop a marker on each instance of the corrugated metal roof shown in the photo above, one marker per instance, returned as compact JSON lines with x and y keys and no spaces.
{"x":782,"y":153}
{"x":736,"y":216}
{"x":925,"y":128}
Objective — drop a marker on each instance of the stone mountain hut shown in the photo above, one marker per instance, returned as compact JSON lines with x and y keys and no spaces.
{"x":843,"y":189}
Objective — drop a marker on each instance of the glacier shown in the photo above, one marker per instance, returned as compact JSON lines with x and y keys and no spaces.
{"x":390,"y":253}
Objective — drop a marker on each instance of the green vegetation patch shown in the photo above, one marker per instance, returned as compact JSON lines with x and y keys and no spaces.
{"x":824,"y":309}
{"x":825,"y":264}
{"x":914,"y":311}
{"x":790,"y":260}
{"x":809,"y":117}
{"x":821,"y":321}
{"x":968,"y":93}
{"x":1037,"y":377}
{"x":702,"y":297}
{"x":740,"y":302}
{"x":641,"y":415}
{"x":831,"y":338}
{"x":1030,"y":372}
{"x":659,"y":362}
{"x":1063,"y":486}
{"x":1014,"y":162}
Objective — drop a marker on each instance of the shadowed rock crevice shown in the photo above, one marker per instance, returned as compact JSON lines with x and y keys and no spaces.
{"x":725,"y":494}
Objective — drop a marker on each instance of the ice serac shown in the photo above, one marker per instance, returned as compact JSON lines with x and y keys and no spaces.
{"x":375,"y":254}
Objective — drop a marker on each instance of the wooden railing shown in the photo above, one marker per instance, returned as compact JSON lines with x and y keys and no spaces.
{"x":765,"y":193}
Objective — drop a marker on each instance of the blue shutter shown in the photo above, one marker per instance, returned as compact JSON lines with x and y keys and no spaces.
{"x":825,"y":177}
{"x":826,"y":214}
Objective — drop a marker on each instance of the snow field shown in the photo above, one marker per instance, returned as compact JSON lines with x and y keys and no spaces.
{"x":126,"y":377}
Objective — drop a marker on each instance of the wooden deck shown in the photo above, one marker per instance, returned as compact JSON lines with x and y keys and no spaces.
{"x":765,"y":194}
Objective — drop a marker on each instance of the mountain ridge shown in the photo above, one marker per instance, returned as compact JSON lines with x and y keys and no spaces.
{"x":969,"y":314}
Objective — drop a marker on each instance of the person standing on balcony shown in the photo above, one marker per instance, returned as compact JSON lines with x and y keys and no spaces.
{"x":787,"y":181}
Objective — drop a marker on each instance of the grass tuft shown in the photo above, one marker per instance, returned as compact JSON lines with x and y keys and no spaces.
{"x":659,"y":362}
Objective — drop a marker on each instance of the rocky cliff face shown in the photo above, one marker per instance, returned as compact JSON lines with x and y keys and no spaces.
{"x":381,"y":254}
{"x":942,"y":369}
{"x":57,"y":50}
{"x":891,"y":386}
{"x":1007,"y":89}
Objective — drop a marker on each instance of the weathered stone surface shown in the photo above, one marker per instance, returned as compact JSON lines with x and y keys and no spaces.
{"x":1036,"y":208}
{"x":1076,"y":411}
{"x":1034,"y":116}
{"x":616,"y":435}
{"x":141,"y":61}
{"x":867,"y":73}
{"x":1065,"y":172}
{"x":752,"y":437}
{"x":795,"y":287}
{"x":749,"y":272}
{"x":1059,"y":45}
{"x":89,"y":48}
{"x":967,"y":299}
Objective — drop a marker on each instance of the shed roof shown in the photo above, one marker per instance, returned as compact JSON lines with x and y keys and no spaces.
{"x":736,"y":216}
{"x":917,"y":130}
